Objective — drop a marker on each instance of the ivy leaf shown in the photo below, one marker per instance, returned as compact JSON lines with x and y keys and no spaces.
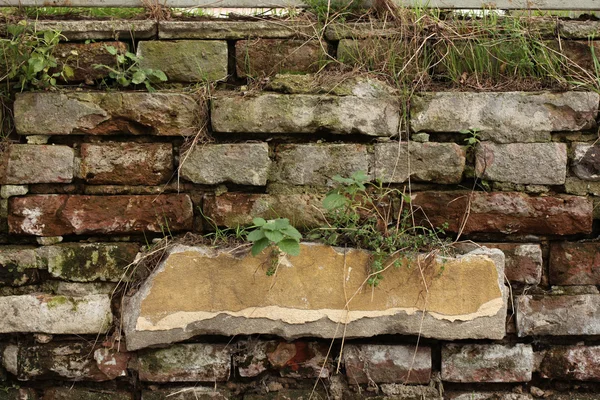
{"x":292,"y":232}
{"x":36,"y":64}
{"x":255,"y":235}
{"x":138,"y":77}
{"x":111,"y":49}
{"x":289,"y":246}
{"x":259,"y":246}
{"x":68,"y":71}
{"x":334,"y":201}
{"x":281,"y":223}
{"x":160,"y":75}
{"x":274,"y":236}
{"x":259,"y":221}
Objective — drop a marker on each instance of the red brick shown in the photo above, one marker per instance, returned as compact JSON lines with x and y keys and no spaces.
{"x":507,"y":212}
{"x":487,"y":363}
{"x":580,"y":363}
{"x":127,"y":163}
{"x":575,"y":263}
{"x":58,"y":215}
{"x":387,"y":364}
{"x":111,"y":362}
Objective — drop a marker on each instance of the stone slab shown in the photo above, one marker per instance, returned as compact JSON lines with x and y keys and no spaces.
{"x":586,"y":161}
{"x":24,"y":163}
{"x":236,"y":30}
{"x":100,"y":29}
{"x":306,"y":298}
{"x":505,"y":117}
{"x":571,"y":363}
{"x":105,"y":113}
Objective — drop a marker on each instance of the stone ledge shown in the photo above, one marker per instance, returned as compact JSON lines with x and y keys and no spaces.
{"x":235,"y":30}
{"x":100,"y":29}
{"x":190,"y":293}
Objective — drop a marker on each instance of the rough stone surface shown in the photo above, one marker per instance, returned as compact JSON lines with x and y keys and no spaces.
{"x":82,"y":57}
{"x":235,"y":30}
{"x":85,"y":262}
{"x":507,"y":212}
{"x":430,"y":162}
{"x":186,"y":60}
{"x":527,"y":163}
{"x":317,"y":164}
{"x":23,"y":163}
{"x":574,"y":263}
{"x":581,"y":188}
{"x":186,"y":393}
{"x":370,"y":363}
{"x":586,"y":161}
{"x":579,"y":363}
{"x":260,"y":57}
{"x":487,"y":363}
{"x":69,"y":360}
{"x":53,"y":215}
{"x":126,"y":163}
{"x":574,"y":29}
{"x":113,"y":29}
{"x":18,"y":394}
{"x":105,"y":113}
{"x":90,"y":314}
{"x":185,"y":363}
{"x":505,"y":117}
{"x":579,"y":52}
{"x":7,"y":191}
{"x":278,"y":113}
{"x":240,"y":163}
{"x":558,"y":315}
{"x":308,"y":298}
{"x":472,"y":395}
{"x":74,"y":393}
{"x":236,"y":209}
{"x":18,"y":266}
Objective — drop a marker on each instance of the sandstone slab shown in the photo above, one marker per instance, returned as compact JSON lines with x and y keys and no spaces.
{"x":571,"y":363}
{"x":23,"y":164}
{"x":586,"y":161}
{"x":487,"y":363}
{"x":506,"y":117}
{"x":525,"y":163}
{"x":264,"y":57}
{"x":429,"y":162}
{"x":57,"y":215}
{"x":297,"y":114}
{"x":185,"y":60}
{"x":467,"y":300}
{"x":317,"y":164}
{"x":376,"y":363}
{"x":574,"y":263}
{"x":59,"y":314}
{"x":113,"y":29}
{"x":507,"y":212}
{"x":558,"y":315}
{"x":236,"y":30}
{"x":126,"y":163}
{"x":196,"y":362}
{"x":240,"y":163}
{"x":105,"y":113}
{"x":238,"y":209}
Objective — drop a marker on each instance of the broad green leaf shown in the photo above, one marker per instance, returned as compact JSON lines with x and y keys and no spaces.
{"x":292,"y":232}
{"x":360,"y":176}
{"x":48,"y":36}
{"x":281,"y":223}
{"x":270,"y":225}
{"x":289,"y":246}
{"x":259,"y":246}
{"x":120,"y":58}
{"x":111,"y":49}
{"x":123,"y":81}
{"x":131,"y":56}
{"x":36,"y":64}
{"x":160,"y":75}
{"x":138,"y":77}
{"x":259,"y":221}
{"x":274,"y":236}
{"x":255,"y":235}
{"x":334,"y":201}
{"x":68,"y":71}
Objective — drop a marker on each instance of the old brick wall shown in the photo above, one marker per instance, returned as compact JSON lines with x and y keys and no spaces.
{"x":95,"y":176}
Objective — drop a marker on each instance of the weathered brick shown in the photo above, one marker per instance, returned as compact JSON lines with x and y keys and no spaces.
{"x":487,"y":363}
{"x":105,"y":113}
{"x":586,"y":161}
{"x":236,"y":209}
{"x":260,"y":57}
{"x":112,"y":29}
{"x":58,"y":215}
{"x":77,"y":393}
{"x":579,"y":363}
{"x":317,"y":164}
{"x":185,"y":60}
{"x":526,"y":163}
{"x":7,"y":191}
{"x":505,"y":117}
{"x":23,"y":163}
{"x":578,"y":29}
{"x":38,"y":312}
{"x":575,"y":263}
{"x":70,"y":360}
{"x":83,"y":57}
{"x":85,"y":262}
{"x":507,"y":212}
{"x":558,"y":315}
{"x":297,"y":114}
{"x":185,"y":363}
{"x":127,"y":163}
{"x":376,"y":363}
{"x":241,"y":163}
{"x":18,"y":266}
{"x":430,"y":162}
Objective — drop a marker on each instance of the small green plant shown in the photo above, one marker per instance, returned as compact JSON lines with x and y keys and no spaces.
{"x":28,"y":57}
{"x":278,"y":233}
{"x":473,"y":137}
{"x":129,"y":72}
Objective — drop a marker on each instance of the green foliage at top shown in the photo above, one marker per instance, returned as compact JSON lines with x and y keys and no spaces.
{"x":274,"y":232}
{"x":28,"y":58}
{"x":339,"y":10}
